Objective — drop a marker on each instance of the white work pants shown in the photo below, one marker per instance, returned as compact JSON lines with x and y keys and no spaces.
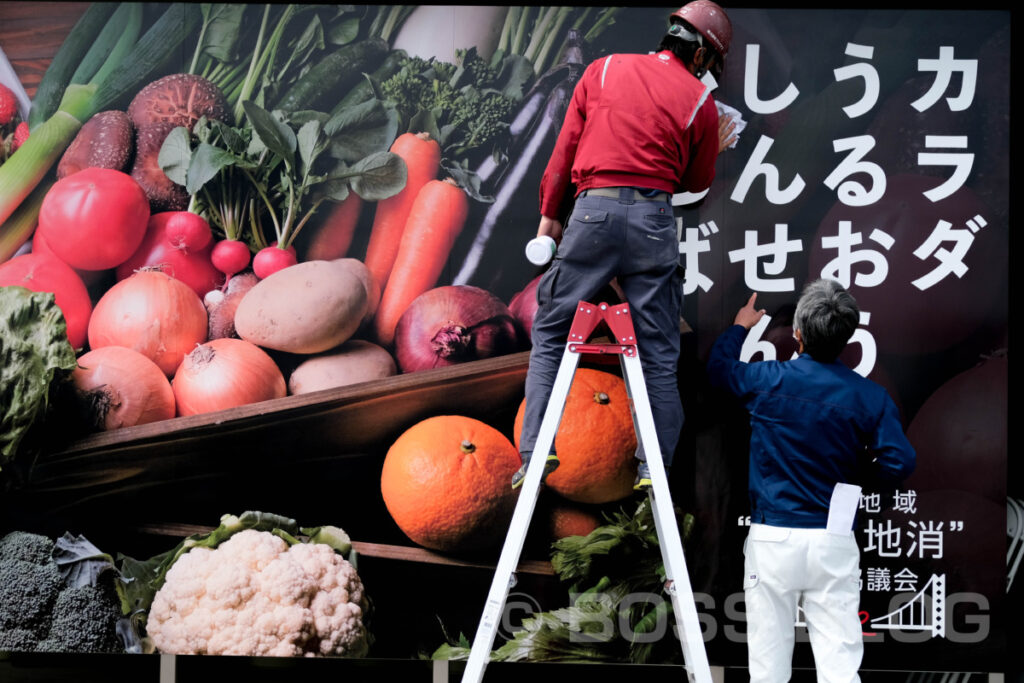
{"x":820,"y":572}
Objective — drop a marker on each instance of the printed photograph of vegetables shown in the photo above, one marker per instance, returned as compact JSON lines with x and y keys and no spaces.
{"x":262,"y":266}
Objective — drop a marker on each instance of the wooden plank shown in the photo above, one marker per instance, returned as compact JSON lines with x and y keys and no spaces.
{"x":484,"y":383}
{"x":32,"y":32}
{"x":294,"y":453}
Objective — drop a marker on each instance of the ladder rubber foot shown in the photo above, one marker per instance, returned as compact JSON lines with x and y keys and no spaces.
{"x":550,"y":465}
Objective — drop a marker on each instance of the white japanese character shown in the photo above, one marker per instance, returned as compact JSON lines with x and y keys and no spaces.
{"x":878,"y":579}
{"x":839,"y":268}
{"x":851,"y":192}
{"x":868,"y":348}
{"x":905,"y":501}
{"x":775,"y":255}
{"x":691,"y":247}
{"x":962,"y":163}
{"x":887,"y":538}
{"x":753,"y":344}
{"x":944,"y":67}
{"x":757,"y":166}
{"x":870,"y":502}
{"x":755,"y":104}
{"x":950,"y":260}
{"x":860,"y":70}
{"x":906,"y":581}
{"x":929,"y":537}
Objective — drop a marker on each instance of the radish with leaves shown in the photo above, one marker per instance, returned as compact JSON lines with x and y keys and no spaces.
{"x":230,"y":256}
{"x":277,"y":171}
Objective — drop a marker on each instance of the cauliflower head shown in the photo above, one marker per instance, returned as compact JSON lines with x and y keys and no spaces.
{"x":256,"y":595}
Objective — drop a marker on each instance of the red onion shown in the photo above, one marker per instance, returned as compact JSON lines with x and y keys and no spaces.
{"x":454,"y":324}
{"x":524,"y":305}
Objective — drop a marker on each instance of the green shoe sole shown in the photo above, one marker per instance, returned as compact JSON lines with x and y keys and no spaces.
{"x":550,"y":465}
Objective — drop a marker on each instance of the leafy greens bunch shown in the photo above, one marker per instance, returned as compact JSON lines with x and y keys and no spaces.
{"x":617,"y":560}
{"x":260,"y":53}
{"x":278,"y":168}
{"x":35,"y":359}
{"x":464,"y":106}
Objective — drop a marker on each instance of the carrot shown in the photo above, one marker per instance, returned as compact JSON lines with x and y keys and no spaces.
{"x":435,"y":221}
{"x":422,"y":156}
{"x":334,"y":236}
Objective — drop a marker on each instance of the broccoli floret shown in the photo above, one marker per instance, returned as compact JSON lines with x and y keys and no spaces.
{"x":27,"y":593}
{"x":22,"y":545}
{"x":482,"y":116}
{"x":482,"y":73}
{"x":84,"y":620}
{"x":17,"y":640}
{"x":469,"y":116}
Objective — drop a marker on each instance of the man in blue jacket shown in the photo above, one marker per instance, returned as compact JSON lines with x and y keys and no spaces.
{"x":817,"y":428}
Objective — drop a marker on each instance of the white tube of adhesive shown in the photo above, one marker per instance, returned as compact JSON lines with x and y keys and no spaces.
{"x":540,"y":250}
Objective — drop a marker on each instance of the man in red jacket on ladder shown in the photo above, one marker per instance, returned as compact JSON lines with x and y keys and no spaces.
{"x":639,"y":128}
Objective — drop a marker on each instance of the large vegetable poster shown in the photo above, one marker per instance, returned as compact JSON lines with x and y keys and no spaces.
{"x":381,"y":164}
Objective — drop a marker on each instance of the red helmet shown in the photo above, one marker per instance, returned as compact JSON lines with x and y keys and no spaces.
{"x":711,"y":22}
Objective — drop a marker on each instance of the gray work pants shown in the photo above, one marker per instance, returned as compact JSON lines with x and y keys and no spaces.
{"x":636,"y":242}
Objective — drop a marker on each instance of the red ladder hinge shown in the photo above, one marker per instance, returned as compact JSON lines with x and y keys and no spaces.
{"x":617,"y":318}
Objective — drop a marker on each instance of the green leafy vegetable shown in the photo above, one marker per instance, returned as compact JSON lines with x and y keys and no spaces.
{"x":34,"y":355}
{"x":278,"y":169}
{"x":464,"y":106}
{"x":617,"y":560}
{"x":260,"y":53}
{"x":80,"y":562}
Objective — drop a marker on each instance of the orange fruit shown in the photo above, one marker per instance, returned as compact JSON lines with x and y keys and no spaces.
{"x":596,"y":443}
{"x":446,"y":481}
{"x":567,"y":519}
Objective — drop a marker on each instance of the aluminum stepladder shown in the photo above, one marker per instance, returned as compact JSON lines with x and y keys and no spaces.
{"x":677,"y":584}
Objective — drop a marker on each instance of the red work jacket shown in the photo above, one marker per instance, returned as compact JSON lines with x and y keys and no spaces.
{"x":634,"y":120}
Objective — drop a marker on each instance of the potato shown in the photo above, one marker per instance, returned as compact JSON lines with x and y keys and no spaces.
{"x":372,"y":288}
{"x":306,"y":308}
{"x":353,"y":362}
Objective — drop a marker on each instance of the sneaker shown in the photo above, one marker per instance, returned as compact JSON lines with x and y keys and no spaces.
{"x":643,"y":477}
{"x":550,"y":465}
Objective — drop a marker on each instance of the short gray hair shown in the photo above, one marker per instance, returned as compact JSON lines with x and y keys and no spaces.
{"x":827,"y":316}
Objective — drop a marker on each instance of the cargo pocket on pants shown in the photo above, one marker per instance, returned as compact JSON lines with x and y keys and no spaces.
{"x":546,"y":286}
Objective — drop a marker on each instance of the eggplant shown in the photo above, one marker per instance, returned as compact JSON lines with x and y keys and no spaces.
{"x":502,"y":229}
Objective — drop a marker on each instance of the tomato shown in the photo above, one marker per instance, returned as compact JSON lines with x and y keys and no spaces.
{"x":96,"y":281}
{"x":46,"y":273}
{"x":94,"y":219}
{"x":193,"y":267}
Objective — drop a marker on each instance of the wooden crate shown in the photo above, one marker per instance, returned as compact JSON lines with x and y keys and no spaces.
{"x":315,"y":457}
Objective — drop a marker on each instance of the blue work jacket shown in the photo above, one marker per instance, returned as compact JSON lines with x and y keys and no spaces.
{"x":813,"y":425}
